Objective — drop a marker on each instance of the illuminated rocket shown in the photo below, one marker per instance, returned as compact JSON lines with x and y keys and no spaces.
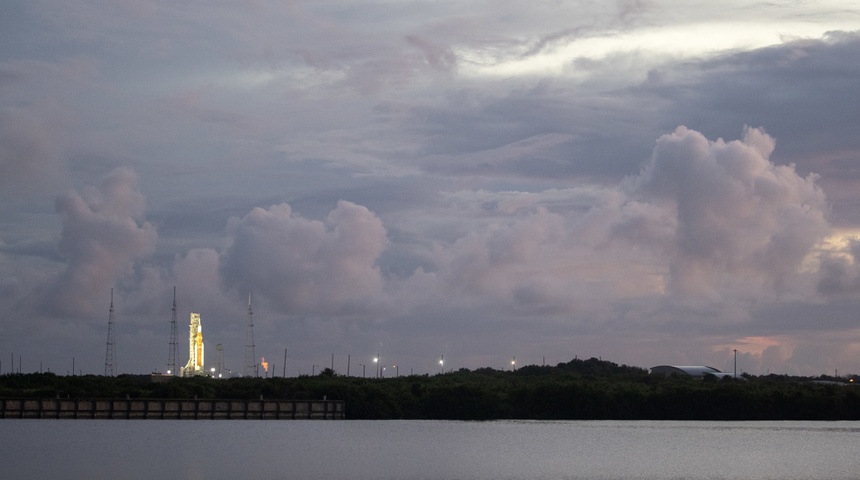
{"x":195,"y":348}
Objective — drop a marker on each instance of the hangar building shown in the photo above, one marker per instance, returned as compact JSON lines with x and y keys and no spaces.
{"x":693,"y":371}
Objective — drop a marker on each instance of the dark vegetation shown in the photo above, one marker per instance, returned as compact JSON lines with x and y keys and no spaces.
{"x":579,"y":389}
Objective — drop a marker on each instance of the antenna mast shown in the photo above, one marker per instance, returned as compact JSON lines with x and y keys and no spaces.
{"x":250,"y":355}
{"x":174,"y":340}
{"x":110,"y":353}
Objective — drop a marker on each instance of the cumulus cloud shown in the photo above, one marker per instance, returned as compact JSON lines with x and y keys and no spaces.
{"x":724,"y":217}
{"x":197,"y":276}
{"x":704,"y":221}
{"x":303,"y":265}
{"x":503,"y":259}
{"x":839,"y":269}
{"x":103,"y":234}
{"x":533,"y":254}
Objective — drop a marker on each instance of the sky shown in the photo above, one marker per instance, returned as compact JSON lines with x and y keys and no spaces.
{"x":642,"y":181}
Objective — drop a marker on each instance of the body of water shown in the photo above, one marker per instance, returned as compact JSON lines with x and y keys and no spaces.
{"x":417,"y":450}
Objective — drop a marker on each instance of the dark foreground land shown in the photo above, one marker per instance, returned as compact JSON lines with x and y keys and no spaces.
{"x":579,"y":389}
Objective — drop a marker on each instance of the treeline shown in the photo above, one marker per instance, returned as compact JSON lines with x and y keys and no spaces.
{"x":579,"y":389}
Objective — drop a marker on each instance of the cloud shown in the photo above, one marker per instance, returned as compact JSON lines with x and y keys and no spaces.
{"x":527,"y":255}
{"x":534,"y":156}
{"x":26,"y":151}
{"x":737,"y":223}
{"x":303,"y":265}
{"x":630,"y":9}
{"x":703,"y":222}
{"x":439,"y":57}
{"x":801,"y":90}
{"x":102,"y":236}
{"x":840,"y":268}
{"x":504,"y":259}
{"x":483,"y":154}
{"x":196,"y":275}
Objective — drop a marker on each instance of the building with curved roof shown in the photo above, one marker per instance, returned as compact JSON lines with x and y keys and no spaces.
{"x":693,"y":371}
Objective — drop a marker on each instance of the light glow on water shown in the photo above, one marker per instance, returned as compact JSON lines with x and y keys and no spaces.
{"x":440,"y":450}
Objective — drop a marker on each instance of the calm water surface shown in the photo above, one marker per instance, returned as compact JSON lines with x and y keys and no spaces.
{"x":347,"y":450}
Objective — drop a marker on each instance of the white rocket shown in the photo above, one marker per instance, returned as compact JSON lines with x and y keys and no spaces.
{"x":195,"y":348}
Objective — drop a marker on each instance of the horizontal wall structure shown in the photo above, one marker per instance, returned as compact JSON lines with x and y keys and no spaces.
{"x":172,"y":409}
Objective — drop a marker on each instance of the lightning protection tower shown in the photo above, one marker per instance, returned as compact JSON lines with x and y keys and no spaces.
{"x":174,"y":340}
{"x":220,"y":349}
{"x":110,"y":353}
{"x":250,"y":355}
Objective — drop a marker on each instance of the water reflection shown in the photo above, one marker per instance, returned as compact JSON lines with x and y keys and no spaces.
{"x":516,"y":450}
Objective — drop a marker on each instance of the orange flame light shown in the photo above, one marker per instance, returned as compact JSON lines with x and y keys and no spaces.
{"x":265,"y":364}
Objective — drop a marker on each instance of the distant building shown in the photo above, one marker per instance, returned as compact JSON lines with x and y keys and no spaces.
{"x":693,"y":371}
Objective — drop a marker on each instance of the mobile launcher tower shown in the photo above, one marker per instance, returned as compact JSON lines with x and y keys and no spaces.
{"x":195,"y":348}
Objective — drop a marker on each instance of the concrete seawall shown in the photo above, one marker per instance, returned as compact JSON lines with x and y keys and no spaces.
{"x":172,"y":409}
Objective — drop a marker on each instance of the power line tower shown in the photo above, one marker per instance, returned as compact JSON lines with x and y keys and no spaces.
{"x":110,"y":353}
{"x":250,"y":355}
{"x":174,"y":340}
